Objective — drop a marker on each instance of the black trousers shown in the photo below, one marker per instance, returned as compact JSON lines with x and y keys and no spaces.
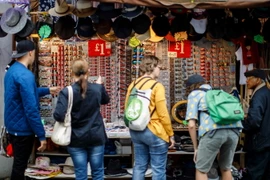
{"x":258,"y":165}
{"x":22,"y":148}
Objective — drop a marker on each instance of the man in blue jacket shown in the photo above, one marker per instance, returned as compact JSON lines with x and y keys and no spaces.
{"x":257,"y":127}
{"x":21,"y":113}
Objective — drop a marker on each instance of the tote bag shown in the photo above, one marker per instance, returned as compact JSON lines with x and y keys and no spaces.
{"x":61,"y":134}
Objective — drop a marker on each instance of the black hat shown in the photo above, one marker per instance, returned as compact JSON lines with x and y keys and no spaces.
{"x":107,"y":11}
{"x":233,"y":28}
{"x":215,"y":28}
{"x":240,"y":14}
{"x":258,"y":73}
{"x":266,"y":30}
{"x":141,"y":24}
{"x":161,"y":26}
{"x":158,"y":11}
{"x":27,"y":30}
{"x":65,"y":27}
{"x":252,"y":26}
{"x":122,"y":27}
{"x":23,"y":47}
{"x":261,"y":12}
{"x":194,"y":79}
{"x":103,"y":26}
{"x":193,"y":35}
{"x":85,"y":28}
{"x":114,"y":168}
{"x":180,"y":23}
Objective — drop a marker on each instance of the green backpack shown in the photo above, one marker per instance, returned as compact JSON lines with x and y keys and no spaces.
{"x":223,"y":107}
{"x":137,"y":114}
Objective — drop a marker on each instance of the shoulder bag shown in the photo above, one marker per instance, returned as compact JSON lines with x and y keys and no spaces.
{"x":61,"y":134}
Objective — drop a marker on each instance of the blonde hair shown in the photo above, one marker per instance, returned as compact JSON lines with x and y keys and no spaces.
{"x":148,"y":64}
{"x":80,"y":69}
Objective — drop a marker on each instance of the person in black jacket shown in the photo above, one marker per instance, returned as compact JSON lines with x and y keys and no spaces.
{"x":88,"y":132}
{"x":257,"y":127}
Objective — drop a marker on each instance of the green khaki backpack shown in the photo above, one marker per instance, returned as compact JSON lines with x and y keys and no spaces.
{"x":223,"y":107}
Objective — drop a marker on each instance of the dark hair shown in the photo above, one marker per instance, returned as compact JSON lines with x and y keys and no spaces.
{"x":193,"y":87}
{"x":79,"y":69}
{"x":148,"y":64}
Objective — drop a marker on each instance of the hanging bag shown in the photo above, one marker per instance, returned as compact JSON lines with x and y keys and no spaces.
{"x":61,"y":134}
{"x":5,"y":143}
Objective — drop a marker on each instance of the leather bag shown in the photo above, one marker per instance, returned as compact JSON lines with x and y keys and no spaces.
{"x":61,"y":134}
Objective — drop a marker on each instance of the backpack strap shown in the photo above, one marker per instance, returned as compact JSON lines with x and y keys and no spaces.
{"x":135,"y":83}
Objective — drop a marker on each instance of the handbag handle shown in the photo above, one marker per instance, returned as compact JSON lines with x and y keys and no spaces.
{"x":70,"y":102}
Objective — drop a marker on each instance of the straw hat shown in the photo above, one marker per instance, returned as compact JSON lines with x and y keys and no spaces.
{"x":84,"y":8}
{"x":61,"y":8}
{"x":68,"y":166}
{"x":110,"y":37}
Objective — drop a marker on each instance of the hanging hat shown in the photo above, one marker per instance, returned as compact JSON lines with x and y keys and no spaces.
{"x":141,"y":23}
{"x":262,"y":12}
{"x":161,"y":26}
{"x":134,"y":42}
{"x":252,"y":26}
{"x":122,"y":27}
{"x":233,"y":28}
{"x":85,"y":28}
{"x":215,"y":28}
{"x":61,"y":8}
{"x":65,"y":27}
{"x":2,"y":33}
{"x":27,"y":30}
{"x":110,"y":37}
{"x":143,"y":37}
{"x":13,"y":20}
{"x":107,"y":11}
{"x":44,"y":29}
{"x":84,"y":8}
{"x":158,"y":11}
{"x":179,"y":23}
{"x":154,"y":37}
{"x":266,"y":30}
{"x":68,"y":166}
{"x":240,"y":13}
{"x":199,"y":25}
{"x":193,"y":35}
{"x":178,"y":11}
{"x":103,"y":26}
{"x":132,"y":11}
{"x":199,"y":13}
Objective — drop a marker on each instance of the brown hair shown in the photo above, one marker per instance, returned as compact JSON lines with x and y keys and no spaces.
{"x":148,"y":64}
{"x":193,"y":87}
{"x":80,"y":69}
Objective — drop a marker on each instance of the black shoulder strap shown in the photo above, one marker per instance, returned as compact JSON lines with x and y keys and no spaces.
{"x":135,"y":83}
{"x":144,"y":83}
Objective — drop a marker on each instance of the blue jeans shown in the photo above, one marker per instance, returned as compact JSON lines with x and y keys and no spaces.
{"x":92,"y":154}
{"x":149,"y":148}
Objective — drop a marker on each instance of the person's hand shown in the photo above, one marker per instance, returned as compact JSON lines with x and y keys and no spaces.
{"x":55,"y":90}
{"x":43,"y":145}
{"x":195,"y":155}
{"x":99,"y":80}
{"x":172,"y":142}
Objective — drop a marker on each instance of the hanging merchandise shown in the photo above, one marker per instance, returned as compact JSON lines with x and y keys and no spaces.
{"x":179,"y":49}
{"x":99,"y":48}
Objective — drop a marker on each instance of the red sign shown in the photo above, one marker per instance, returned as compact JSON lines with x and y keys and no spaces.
{"x":99,"y":48}
{"x":181,"y":49}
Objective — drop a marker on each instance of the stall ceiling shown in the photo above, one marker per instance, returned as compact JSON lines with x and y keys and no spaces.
{"x":196,"y":4}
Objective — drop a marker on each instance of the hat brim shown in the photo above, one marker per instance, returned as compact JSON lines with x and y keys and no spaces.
{"x":53,"y":13}
{"x":133,"y":14}
{"x":107,"y":37}
{"x":109,"y":14}
{"x":18,"y":27}
{"x":27,"y":30}
{"x":115,"y":172}
{"x":154,"y":37}
{"x":18,"y":55}
{"x":90,"y":12}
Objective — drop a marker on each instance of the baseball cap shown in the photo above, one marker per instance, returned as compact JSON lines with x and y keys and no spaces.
{"x":256,"y":73}
{"x":23,"y":47}
{"x":196,"y":78}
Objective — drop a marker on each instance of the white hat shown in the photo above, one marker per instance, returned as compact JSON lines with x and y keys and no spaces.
{"x":199,"y":25}
{"x":61,"y":8}
{"x":68,"y":166}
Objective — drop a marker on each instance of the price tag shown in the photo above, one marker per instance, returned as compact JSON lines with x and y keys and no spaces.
{"x":99,"y":48}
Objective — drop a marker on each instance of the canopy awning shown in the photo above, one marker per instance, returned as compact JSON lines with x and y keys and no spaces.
{"x":196,"y":4}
